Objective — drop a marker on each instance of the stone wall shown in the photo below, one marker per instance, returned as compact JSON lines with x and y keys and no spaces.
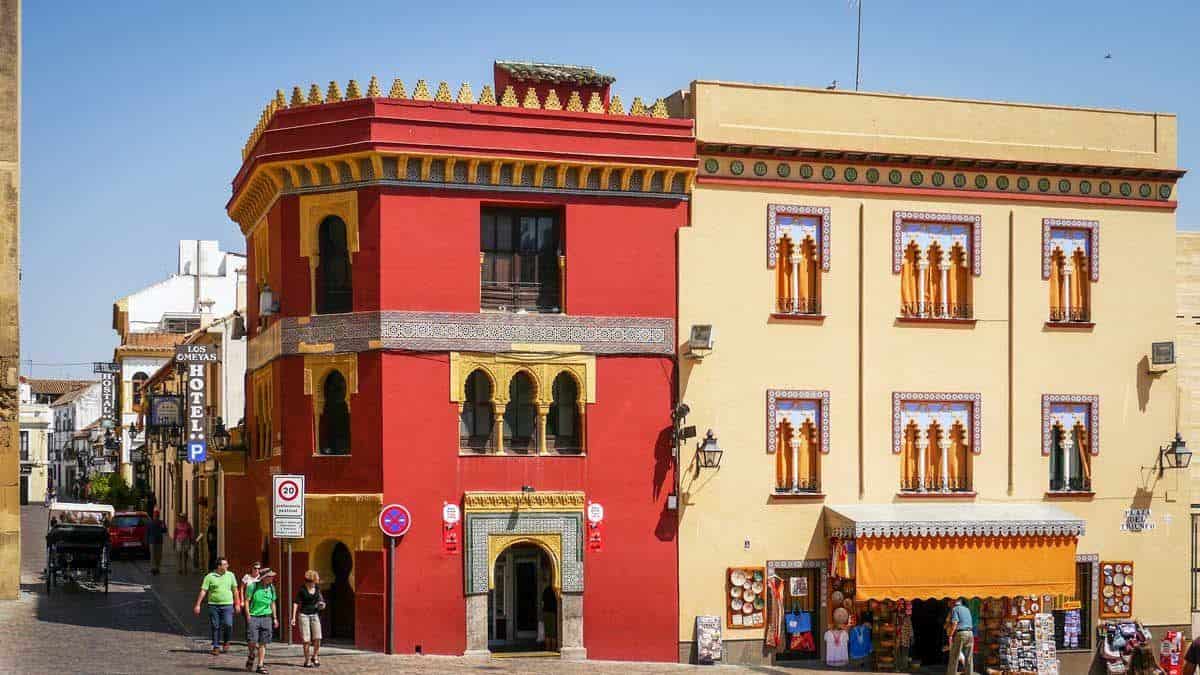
{"x":10,"y":182}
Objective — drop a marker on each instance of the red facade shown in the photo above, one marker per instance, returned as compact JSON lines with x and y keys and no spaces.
{"x":418,"y":264}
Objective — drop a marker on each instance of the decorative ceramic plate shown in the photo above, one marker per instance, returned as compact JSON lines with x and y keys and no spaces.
{"x":757,"y":587}
{"x":1124,"y":608}
{"x":736,"y":591}
{"x":1125,"y":590}
{"x":837,"y":597}
{"x":748,"y":584}
{"x":1128,"y":580}
{"x":748,"y":608}
{"x":748,"y":595}
{"x":1129,"y":569}
{"x":1108,"y":591}
{"x":737,"y":577}
{"x":736,"y":604}
{"x":1107,"y":568}
{"x":758,"y":576}
{"x":759,"y":604}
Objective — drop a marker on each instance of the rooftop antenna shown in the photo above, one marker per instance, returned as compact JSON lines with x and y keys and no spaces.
{"x":858,"y":49}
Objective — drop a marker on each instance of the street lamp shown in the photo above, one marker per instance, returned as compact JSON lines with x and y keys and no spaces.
{"x":708,"y":453}
{"x":1174,"y":455}
{"x":220,"y":436}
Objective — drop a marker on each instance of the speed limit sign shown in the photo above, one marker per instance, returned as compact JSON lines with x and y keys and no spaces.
{"x":287,"y":506}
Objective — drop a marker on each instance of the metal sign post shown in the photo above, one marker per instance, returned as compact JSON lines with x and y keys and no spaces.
{"x":287,"y":518}
{"x":394,"y":522}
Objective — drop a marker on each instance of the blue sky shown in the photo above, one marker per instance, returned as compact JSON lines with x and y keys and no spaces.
{"x":134,"y":113}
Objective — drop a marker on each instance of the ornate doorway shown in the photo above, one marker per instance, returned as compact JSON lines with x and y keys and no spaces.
{"x":522,"y":605}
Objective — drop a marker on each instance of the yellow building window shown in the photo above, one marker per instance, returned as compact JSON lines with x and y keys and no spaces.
{"x":1070,"y":263}
{"x":798,"y":250}
{"x":1070,"y":439}
{"x":798,"y":436}
{"x":936,"y":437}
{"x":936,"y":256}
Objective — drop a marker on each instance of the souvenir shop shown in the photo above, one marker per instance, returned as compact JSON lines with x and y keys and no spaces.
{"x":881,"y":600}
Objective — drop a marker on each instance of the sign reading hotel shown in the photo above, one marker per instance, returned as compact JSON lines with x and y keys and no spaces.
{"x":108,"y":392}
{"x":195,"y":359}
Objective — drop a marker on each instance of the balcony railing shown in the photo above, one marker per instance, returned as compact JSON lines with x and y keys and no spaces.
{"x":1073,"y":484}
{"x":1073,"y":315}
{"x":520,"y":296}
{"x":936,"y":310}
{"x":799,"y":488}
{"x":934,"y":485}
{"x":798,"y":306}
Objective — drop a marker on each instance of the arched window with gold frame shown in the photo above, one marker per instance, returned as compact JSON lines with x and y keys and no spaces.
{"x":521,"y":414}
{"x":334,"y":283}
{"x":564,"y":429}
{"x":477,"y":416}
{"x":334,"y":427}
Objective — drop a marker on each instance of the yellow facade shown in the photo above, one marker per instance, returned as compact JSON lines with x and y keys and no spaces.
{"x":861,"y":354}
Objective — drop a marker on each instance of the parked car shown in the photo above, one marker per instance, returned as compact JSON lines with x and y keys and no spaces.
{"x":127,"y":531}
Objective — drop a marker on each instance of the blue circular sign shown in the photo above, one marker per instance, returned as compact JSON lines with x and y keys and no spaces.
{"x":394,"y":520}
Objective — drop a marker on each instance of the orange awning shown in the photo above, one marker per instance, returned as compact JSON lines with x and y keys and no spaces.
{"x":971,"y":550}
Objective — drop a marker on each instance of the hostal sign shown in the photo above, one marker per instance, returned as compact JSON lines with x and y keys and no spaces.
{"x":108,"y":392}
{"x":194,"y":360}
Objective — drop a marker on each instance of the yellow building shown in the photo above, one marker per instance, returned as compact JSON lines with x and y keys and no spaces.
{"x":932,"y":327}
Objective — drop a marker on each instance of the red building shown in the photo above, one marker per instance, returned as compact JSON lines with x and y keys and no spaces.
{"x":472,"y":304}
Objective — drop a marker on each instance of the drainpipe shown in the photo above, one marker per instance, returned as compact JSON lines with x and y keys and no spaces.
{"x":862,"y":489}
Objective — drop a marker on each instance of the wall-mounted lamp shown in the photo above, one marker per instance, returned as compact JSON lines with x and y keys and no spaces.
{"x":700,"y":341}
{"x":220,"y":436}
{"x":708,"y":453}
{"x":267,"y":304}
{"x":1174,"y":455}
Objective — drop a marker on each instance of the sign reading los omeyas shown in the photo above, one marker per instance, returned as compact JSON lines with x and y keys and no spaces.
{"x":195,"y":360}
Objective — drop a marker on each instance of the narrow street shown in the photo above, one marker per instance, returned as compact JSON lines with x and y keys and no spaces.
{"x":144,"y":624}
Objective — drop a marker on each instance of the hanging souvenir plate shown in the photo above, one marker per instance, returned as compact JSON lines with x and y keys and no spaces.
{"x":1129,"y":569}
{"x":757,"y":587}
{"x":748,"y":608}
{"x":748,"y":584}
{"x":837,"y":597}
{"x":748,"y":595}
{"x":1119,"y":579}
{"x":1108,"y":591}
{"x":736,"y":604}
{"x":1124,"y":608}
{"x":736,"y":591}
{"x":737,"y":577}
{"x":758,"y":575}
{"x":759,"y":604}
{"x":1128,"y":580}
{"x":1125,"y":590}
{"x":1107,"y":568}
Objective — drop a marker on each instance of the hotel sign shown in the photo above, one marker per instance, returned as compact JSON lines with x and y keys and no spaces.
{"x":194,"y":360}
{"x":108,"y":393}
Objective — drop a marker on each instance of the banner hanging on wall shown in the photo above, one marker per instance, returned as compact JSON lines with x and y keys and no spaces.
{"x":108,"y":393}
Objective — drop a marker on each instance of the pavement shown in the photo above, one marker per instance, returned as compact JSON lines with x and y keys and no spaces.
{"x":144,"y":624}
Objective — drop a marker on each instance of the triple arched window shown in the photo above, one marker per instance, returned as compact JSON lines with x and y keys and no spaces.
{"x":525,"y":422}
{"x":334,"y":286}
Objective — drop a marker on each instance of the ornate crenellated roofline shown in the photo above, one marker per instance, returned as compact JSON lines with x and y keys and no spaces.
{"x":569,"y":101}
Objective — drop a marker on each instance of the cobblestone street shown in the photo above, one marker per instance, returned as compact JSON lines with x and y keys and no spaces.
{"x":144,"y":625}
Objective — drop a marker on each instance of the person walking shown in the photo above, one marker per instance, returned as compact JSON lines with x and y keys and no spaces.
{"x":210,"y":538}
{"x":183,"y":543}
{"x":307,"y":604}
{"x":220,"y":586}
{"x":261,"y":616}
{"x":155,"y":532}
{"x":962,"y":638}
{"x":247,"y":579}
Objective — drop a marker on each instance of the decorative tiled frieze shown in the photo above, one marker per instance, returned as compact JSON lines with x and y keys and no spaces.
{"x":523,"y":501}
{"x":963,"y":528}
{"x":1019,"y":182}
{"x":1068,"y":410}
{"x":797,"y":222}
{"x":446,"y":331}
{"x":945,"y":229}
{"x":944,"y":408}
{"x":479,"y":527}
{"x":1071,"y":235}
{"x":777,"y":400}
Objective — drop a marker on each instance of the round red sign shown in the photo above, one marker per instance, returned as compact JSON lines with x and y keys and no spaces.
{"x":394,"y":520}
{"x":288,"y":490}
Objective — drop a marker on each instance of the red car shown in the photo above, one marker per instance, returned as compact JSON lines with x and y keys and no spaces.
{"x":127,"y":532}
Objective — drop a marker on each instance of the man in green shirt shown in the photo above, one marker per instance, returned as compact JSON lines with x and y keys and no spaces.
{"x":261,"y":617}
{"x":219,"y":585}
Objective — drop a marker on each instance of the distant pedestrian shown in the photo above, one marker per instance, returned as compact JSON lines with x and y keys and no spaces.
{"x":220,"y":586}
{"x":210,"y":538}
{"x":261,"y":617}
{"x":1191,"y":659}
{"x":247,"y":579}
{"x":307,"y":604}
{"x":155,"y":532}
{"x":183,"y":543}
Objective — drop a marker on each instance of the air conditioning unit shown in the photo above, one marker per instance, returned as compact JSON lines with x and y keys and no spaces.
{"x":1162,"y":357}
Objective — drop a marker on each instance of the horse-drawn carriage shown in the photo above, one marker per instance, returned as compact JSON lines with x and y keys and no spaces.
{"x":77,"y":544}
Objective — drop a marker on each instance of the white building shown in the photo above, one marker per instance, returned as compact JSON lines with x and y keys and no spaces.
{"x":70,"y":413}
{"x":152,"y":321}
{"x":35,"y":422}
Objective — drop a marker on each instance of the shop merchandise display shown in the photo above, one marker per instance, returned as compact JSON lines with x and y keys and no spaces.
{"x":1047,"y":656}
{"x":1118,"y":640}
{"x":837,"y":647}
{"x":860,"y":642}
{"x":1170,"y":658}
{"x":745,"y":597}
{"x":1116,"y":589}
